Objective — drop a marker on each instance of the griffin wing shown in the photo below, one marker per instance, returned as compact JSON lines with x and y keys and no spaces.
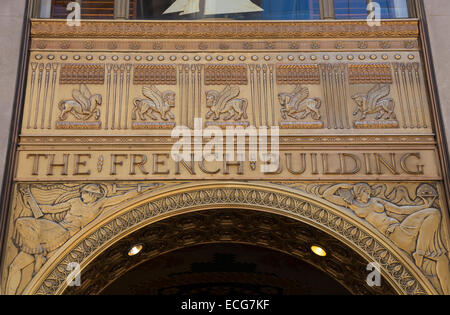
{"x":154,"y":94}
{"x":85,"y":91}
{"x":300,"y":94}
{"x":228,"y":93}
{"x":82,"y":96}
{"x":377,"y":93}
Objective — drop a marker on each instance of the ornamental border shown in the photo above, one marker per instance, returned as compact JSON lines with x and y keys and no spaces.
{"x":224,"y":29}
{"x":331,"y":221}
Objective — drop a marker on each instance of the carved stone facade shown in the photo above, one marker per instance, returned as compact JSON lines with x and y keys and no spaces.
{"x":359,"y":162}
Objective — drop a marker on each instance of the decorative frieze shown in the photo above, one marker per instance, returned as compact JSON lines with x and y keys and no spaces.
{"x":226,"y":75}
{"x":225,"y":30}
{"x":298,"y":74}
{"x":155,"y":75}
{"x":102,"y":100}
{"x":262,"y":79}
{"x":214,"y":46}
{"x":369,"y":73}
{"x":82,"y":74}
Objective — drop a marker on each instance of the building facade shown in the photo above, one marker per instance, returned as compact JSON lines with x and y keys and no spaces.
{"x":344,"y":146}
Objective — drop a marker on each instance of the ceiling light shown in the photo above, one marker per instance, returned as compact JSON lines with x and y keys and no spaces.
{"x":136,"y":249}
{"x":319,"y":251}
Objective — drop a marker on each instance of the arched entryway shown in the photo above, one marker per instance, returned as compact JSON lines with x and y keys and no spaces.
{"x":223,"y":251}
{"x":278,"y":208}
{"x":224,"y":269}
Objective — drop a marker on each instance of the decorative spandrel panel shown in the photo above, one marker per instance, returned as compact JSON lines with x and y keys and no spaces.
{"x":357,"y":150}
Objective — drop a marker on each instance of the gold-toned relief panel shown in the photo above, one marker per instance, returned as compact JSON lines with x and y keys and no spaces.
{"x":358,"y":156}
{"x":324,"y":93}
{"x":402,"y":226}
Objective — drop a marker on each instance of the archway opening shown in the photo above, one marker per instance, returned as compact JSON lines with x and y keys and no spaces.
{"x":239,"y":251}
{"x":225,"y":269}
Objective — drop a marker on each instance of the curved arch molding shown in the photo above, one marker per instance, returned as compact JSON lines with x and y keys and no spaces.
{"x":146,"y":203}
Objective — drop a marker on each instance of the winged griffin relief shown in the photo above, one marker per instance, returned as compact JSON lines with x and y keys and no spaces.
{"x":156,"y":102}
{"x":299,"y":106}
{"x":83,"y":107}
{"x":47,"y":216}
{"x":82,"y":112}
{"x":146,"y":110}
{"x":226,"y":102}
{"x":413,"y":224}
{"x":375,"y":109}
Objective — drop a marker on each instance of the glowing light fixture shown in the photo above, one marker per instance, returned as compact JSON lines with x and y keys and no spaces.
{"x":319,"y":251}
{"x":136,"y":249}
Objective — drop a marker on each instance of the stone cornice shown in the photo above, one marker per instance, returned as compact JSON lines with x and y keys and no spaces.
{"x":224,"y":29}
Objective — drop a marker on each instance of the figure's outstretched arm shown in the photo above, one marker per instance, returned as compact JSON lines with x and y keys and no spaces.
{"x":114,"y":200}
{"x":58,"y":208}
{"x":403,"y":210}
{"x":330,"y":194}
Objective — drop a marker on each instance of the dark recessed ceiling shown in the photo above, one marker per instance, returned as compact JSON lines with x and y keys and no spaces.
{"x":225,"y":269}
{"x":230,"y":247}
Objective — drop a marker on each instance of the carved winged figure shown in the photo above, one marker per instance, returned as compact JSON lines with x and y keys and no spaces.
{"x":45,"y":225}
{"x":83,"y":106}
{"x":415,"y":228}
{"x":298,"y":105}
{"x":226,"y":102}
{"x":156,"y":102}
{"x":375,"y":102}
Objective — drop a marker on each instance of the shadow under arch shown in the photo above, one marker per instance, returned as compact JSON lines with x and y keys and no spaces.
{"x":155,"y":206}
{"x":238,"y":227}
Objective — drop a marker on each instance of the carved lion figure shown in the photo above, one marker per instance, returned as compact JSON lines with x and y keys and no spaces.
{"x":156,"y":102}
{"x":375,"y":102}
{"x":226,"y":102}
{"x":297,"y":104}
{"x":83,"y":107}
